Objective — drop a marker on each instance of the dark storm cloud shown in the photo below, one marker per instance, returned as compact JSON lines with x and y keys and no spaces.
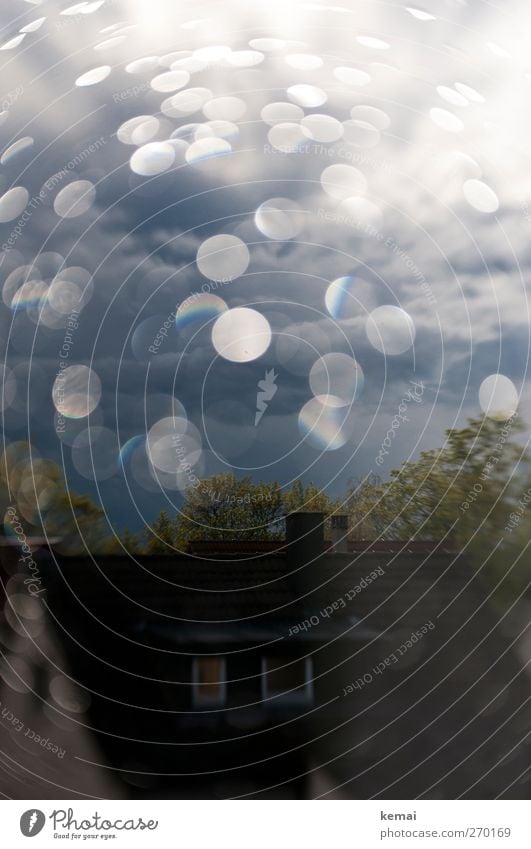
{"x":460,"y":274}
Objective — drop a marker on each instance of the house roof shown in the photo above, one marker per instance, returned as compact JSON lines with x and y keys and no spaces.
{"x":414,"y":581}
{"x":239,"y":548}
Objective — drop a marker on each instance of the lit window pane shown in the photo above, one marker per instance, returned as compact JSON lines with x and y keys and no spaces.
{"x":209,"y":676}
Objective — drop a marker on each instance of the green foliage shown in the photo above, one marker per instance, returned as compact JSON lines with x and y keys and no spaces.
{"x":73,"y":523}
{"x":126,"y":543}
{"x":309,"y":499}
{"x":76,"y":522}
{"x":464,"y":494}
{"x":453,"y":492}
{"x":226,"y":508}
{"x":132,"y":542}
{"x":160,"y":537}
{"x":368,"y":514}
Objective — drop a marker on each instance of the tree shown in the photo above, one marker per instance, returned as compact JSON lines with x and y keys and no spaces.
{"x":132,"y":542}
{"x":310,"y":499}
{"x":76,"y":524}
{"x":463,"y":493}
{"x":451,"y":492}
{"x":223,"y":507}
{"x":366,"y":508}
{"x":44,"y":505}
{"x":161,"y":536}
{"x":126,"y":543}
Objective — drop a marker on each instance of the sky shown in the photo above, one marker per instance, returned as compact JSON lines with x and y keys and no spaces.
{"x":289,"y":240}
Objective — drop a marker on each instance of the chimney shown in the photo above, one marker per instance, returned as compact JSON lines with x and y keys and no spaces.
{"x":304,"y":538}
{"x":339,"y":533}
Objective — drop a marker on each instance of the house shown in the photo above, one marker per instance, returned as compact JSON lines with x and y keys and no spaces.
{"x":292,"y":669}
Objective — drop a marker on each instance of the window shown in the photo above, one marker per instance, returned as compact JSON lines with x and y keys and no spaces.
{"x":209,"y":685}
{"x":287,"y":680}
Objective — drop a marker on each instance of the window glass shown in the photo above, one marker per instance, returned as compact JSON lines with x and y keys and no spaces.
{"x":209,"y":680}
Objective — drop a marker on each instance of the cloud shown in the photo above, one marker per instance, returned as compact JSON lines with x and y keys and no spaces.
{"x":411,"y":239}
